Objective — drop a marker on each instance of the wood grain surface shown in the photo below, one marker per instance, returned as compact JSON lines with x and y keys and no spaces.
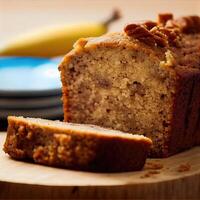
{"x":170,"y":178}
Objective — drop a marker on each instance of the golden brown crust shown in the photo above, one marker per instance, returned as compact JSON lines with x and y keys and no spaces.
{"x":65,"y":102}
{"x":74,"y":149}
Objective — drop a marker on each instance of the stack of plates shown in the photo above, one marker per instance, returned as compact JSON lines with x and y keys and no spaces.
{"x":30,"y":87}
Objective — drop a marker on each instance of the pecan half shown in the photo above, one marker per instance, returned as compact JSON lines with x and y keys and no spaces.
{"x":139,"y":32}
{"x":172,"y":35}
{"x":136,"y":30}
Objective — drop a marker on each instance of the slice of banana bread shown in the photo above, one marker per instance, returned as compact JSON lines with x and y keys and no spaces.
{"x":75,"y":146}
{"x":144,"y":80}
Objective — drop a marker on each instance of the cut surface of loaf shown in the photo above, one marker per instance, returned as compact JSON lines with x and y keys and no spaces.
{"x":75,"y":146}
{"x":145,"y":80}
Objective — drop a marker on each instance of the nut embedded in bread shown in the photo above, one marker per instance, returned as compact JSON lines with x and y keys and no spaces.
{"x":145,"y":80}
{"x":75,"y":146}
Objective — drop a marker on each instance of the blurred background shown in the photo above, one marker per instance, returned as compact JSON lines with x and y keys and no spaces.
{"x":29,"y":80}
{"x":17,"y":16}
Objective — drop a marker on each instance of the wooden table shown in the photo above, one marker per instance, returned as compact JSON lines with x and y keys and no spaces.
{"x":26,"y":180}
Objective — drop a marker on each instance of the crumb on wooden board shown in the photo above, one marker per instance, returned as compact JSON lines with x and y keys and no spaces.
{"x":184,"y":167}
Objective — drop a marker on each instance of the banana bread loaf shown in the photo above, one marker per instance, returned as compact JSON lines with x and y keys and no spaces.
{"x":75,"y":146}
{"x":145,"y":80}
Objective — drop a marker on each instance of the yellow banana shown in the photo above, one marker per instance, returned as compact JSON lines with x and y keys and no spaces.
{"x":54,"y":41}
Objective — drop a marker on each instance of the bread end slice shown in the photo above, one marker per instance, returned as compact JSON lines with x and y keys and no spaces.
{"x":75,"y":146}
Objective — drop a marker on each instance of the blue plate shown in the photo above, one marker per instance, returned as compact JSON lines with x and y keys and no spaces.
{"x":29,"y":76}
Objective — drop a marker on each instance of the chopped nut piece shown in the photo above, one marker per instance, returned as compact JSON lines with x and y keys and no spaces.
{"x":164,"y":17}
{"x":150,"y":24}
{"x":169,"y":60}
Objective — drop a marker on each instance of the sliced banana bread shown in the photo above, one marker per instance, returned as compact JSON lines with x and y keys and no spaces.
{"x":75,"y":146}
{"x":145,"y":80}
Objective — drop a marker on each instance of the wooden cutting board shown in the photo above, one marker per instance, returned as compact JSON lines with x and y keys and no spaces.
{"x":173,"y":178}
